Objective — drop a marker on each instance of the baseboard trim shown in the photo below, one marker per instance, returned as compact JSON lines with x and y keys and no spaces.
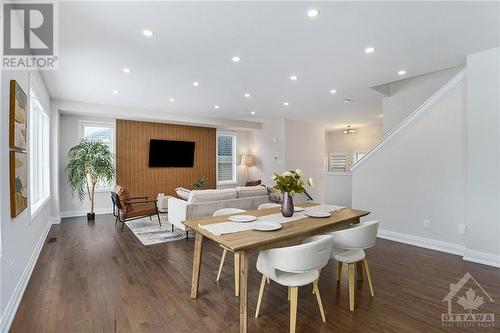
{"x":82,"y":212}
{"x":14,"y":301}
{"x":482,"y":258}
{"x":427,"y":243}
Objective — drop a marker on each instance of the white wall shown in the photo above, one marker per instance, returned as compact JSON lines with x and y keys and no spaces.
{"x":364,"y":140}
{"x":405,"y":96}
{"x":338,"y":188}
{"x":268,"y":145}
{"x":23,"y":236}
{"x":70,"y":135}
{"x":304,"y":149}
{"x":482,"y":213}
{"x":419,"y":174}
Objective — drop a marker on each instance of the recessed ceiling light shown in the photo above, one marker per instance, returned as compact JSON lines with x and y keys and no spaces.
{"x":147,"y":33}
{"x":196,"y":83}
{"x":313,"y":12}
{"x":236,"y":59}
{"x":252,"y":113}
{"x":116,"y":92}
{"x":293,"y":77}
{"x":370,"y":49}
{"x":285,"y":103}
{"x":347,"y":100}
{"x":171,"y":100}
{"x":333,"y":91}
{"x":402,"y":72}
{"x":216,"y":107}
{"x":126,"y":70}
{"x":247,"y":95}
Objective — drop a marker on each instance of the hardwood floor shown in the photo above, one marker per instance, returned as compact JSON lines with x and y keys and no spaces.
{"x":96,"y":279}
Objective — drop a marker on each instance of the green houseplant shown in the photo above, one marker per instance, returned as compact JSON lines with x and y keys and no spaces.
{"x":199,"y":183}
{"x":89,"y":163}
{"x":289,"y":183}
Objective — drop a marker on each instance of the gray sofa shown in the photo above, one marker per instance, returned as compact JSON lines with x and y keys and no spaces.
{"x":203,"y":203}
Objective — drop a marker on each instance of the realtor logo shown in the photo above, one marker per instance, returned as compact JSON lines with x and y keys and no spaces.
{"x":469,"y":295}
{"x":29,"y":35}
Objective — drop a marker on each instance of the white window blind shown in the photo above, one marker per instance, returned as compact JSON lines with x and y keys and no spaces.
{"x":338,"y":161}
{"x":226,"y":158}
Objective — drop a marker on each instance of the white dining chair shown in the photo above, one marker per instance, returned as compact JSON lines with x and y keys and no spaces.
{"x":293,"y":267}
{"x":221,"y":212}
{"x":348,"y":248}
{"x":268,"y":205}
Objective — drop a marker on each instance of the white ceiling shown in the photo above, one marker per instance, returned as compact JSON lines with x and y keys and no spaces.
{"x":195,"y":41}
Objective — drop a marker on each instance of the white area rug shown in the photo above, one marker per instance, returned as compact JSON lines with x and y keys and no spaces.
{"x":149,"y":231}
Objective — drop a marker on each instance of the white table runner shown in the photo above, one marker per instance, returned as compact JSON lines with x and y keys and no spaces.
{"x":232,"y":227}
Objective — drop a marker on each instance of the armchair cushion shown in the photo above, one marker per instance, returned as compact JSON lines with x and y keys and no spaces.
{"x":123,"y":195}
{"x":146,"y":211}
{"x":182,"y":193}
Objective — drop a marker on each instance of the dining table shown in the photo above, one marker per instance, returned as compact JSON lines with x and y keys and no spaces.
{"x":245,"y":243}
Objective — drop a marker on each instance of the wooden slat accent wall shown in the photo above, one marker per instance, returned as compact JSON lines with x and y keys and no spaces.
{"x":132,"y":157}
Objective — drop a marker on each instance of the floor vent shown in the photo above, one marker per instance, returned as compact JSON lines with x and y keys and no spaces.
{"x":52,"y":240}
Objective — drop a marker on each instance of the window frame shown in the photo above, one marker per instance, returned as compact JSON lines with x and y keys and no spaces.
{"x":112,"y":145}
{"x":38,"y":153}
{"x":234,"y":180}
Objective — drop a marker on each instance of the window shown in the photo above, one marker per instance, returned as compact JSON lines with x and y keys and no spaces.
{"x":226,"y":158}
{"x":358,"y":155}
{"x":338,"y":161}
{"x":39,"y":153}
{"x":103,"y":132}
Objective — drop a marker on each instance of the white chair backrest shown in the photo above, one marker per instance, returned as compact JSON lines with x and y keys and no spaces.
{"x":300,"y":258}
{"x":228,"y":211}
{"x":268,"y":205}
{"x":359,"y":236}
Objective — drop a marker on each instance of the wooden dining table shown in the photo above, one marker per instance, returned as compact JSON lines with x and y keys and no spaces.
{"x":244,"y":243}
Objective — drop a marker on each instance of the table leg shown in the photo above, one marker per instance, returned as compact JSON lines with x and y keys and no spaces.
{"x":195,"y":281}
{"x":243,"y":291}
{"x":236,"y":274}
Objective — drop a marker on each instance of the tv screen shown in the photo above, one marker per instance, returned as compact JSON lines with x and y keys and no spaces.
{"x":165,"y":153}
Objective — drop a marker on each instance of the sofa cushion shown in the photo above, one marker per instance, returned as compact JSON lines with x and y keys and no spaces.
{"x":212,"y":195}
{"x":251,"y":191}
{"x":183,"y":193}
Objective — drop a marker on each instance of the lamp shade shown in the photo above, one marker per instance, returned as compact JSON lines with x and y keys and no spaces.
{"x":246,"y":160}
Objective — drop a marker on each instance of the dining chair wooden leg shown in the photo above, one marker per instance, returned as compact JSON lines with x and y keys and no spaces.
{"x":222,"y":259}
{"x":318,"y":298}
{"x":339,"y":271}
{"x":289,"y":293}
{"x":261,"y":292}
{"x":368,"y":276}
{"x":195,"y":279}
{"x":236,"y":274}
{"x":267,"y":279}
{"x":351,"y":286}
{"x":294,"y":295}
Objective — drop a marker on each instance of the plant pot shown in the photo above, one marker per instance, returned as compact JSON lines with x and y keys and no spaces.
{"x":90,"y":216}
{"x":287,"y":205}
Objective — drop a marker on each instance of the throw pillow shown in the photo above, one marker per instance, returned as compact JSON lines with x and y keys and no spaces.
{"x":182,"y":193}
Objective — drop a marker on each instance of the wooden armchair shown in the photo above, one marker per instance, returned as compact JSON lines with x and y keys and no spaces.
{"x":126,"y":208}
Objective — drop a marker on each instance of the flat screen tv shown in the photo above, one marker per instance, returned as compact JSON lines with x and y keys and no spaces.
{"x":173,"y":154}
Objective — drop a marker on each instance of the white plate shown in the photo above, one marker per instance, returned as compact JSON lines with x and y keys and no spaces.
{"x":267,"y":226}
{"x":242,"y":218}
{"x":317,"y":213}
{"x":298,"y":209}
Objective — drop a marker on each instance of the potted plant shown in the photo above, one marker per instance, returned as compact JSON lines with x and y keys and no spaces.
{"x":89,"y":163}
{"x":199,"y":183}
{"x":289,"y":183}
